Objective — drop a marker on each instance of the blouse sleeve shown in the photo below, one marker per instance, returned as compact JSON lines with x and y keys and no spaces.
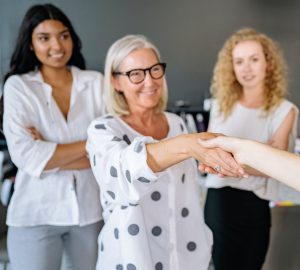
{"x":120,"y":166}
{"x":278,"y":117}
{"x":27,"y":154}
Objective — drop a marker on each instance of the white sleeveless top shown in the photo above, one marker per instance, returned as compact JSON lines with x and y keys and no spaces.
{"x":251,"y":124}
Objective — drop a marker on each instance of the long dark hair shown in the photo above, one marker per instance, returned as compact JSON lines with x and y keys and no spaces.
{"x":23,"y":58}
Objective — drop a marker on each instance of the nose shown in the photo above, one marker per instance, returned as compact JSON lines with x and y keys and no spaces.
{"x":148,"y":79}
{"x":247,"y":66}
{"x":56,"y":43}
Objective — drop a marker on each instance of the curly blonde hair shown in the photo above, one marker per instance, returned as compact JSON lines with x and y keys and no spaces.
{"x":227,"y":90}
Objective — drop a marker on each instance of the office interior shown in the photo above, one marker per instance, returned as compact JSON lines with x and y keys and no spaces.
{"x":189,"y":35}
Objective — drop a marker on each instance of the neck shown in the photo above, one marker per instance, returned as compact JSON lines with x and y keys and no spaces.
{"x":144,"y":117}
{"x":253,"y":98}
{"x":55,"y":76}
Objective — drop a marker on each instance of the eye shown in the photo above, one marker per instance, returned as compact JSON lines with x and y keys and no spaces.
{"x":157,"y":68}
{"x":43,"y":38}
{"x":65,"y":36}
{"x":135,"y":73}
{"x":238,"y":62}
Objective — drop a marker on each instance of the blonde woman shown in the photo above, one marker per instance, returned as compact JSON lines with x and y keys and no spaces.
{"x":249,"y":88}
{"x":141,"y":157}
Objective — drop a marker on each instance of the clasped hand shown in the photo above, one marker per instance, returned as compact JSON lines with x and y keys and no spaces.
{"x":216,"y":160}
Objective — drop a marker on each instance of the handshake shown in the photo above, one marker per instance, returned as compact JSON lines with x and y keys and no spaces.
{"x":230,"y":156}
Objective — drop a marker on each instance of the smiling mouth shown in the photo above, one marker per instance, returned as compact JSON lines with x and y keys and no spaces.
{"x":248,"y":78}
{"x":57,"y":55}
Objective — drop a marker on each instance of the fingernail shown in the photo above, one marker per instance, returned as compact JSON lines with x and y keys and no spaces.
{"x":241,"y":171}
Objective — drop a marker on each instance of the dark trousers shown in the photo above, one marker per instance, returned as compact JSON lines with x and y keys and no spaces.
{"x":240,"y":222}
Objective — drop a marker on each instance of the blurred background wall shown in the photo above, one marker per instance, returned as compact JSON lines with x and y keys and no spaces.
{"x":188,"y":33}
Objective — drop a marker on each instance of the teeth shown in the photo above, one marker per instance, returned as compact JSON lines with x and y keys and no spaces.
{"x":57,"y":55}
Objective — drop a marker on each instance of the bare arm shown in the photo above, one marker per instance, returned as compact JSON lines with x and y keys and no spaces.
{"x":166,"y":153}
{"x":273,"y":162}
{"x":279,"y":140}
{"x":79,"y":164}
{"x":66,"y":156}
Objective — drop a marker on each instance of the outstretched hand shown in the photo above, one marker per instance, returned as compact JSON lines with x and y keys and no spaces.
{"x":215,"y":159}
{"x":227,"y":148}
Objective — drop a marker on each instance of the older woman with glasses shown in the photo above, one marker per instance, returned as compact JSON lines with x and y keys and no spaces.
{"x":142,"y":159}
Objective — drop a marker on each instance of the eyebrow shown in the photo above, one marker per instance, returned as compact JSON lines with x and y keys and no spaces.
{"x":47,"y":33}
{"x":239,"y":57}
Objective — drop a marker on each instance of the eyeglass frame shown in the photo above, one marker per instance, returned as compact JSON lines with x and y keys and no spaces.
{"x":127,"y":73}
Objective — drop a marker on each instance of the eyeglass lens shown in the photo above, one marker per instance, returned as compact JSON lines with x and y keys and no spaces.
{"x":138,"y":75}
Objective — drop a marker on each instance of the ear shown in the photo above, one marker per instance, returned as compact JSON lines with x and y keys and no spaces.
{"x":116,"y":82}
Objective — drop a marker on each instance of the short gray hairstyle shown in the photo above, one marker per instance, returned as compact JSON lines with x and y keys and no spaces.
{"x":115,"y":102}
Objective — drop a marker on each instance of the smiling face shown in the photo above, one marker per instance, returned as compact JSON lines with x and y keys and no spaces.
{"x":249,"y":64}
{"x":144,"y":95}
{"x":52,"y":44}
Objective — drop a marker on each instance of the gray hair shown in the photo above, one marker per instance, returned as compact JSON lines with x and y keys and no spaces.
{"x":115,"y":101}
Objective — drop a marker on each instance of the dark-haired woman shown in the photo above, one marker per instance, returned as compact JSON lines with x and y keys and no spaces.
{"x":49,"y":100}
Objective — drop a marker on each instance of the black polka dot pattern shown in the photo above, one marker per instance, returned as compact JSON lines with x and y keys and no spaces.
{"x":184,"y":212}
{"x":183,"y":178}
{"x":143,"y":180}
{"x":102,"y":246}
{"x":138,"y":147}
{"x":126,"y":139}
{"x":133,"y":229}
{"x":131,"y":266}
{"x":111,"y":194}
{"x":156,"y":231}
{"x":116,"y":139}
{"x":155,"y":196}
{"x":94,"y":160}
{"x":108,"y":117}
{"x":119,"y":267}
{"x":100,"y":126}
{"x":124,"y":207}
{"x":133,"y":204}
{"x":181,"y":127}
{"x":128,"y":176}
{"x":113,"y":171}
{"x":191,"y":246}
{"x":116,"y":233}
{"x":159,"y":266}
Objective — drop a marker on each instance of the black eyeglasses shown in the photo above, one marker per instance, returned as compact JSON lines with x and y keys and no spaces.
{"x":136,"y":76}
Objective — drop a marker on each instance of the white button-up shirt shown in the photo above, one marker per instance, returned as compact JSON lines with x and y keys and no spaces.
{"x":55,"y":197}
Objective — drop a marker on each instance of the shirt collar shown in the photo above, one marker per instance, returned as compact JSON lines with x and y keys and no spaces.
{"x":80,"y":77}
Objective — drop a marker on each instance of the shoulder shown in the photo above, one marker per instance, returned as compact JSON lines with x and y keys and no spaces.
{"x":285,"y":106}
{"x":107,"y":121}
{"x":172,"y":117}
{"x":23,"y":83}
{"x":176,"y":124}
{"x":84,"y":76}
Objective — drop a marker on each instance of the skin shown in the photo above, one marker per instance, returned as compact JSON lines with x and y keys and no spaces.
{"x":53,"y":46}
{"x":249,"y":65}
{"x":142,"y":99}
{"x":280,"y":165}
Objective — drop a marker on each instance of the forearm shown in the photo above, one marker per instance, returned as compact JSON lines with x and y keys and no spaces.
{"x":278,"y":164}
{"x":65,"y":154}
{"x":80,"y":164}
{"x":164,"y":154}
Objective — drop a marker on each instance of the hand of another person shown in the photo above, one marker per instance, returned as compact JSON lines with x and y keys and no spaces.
{"x":228,"y":144}
{"x":35,"y":134}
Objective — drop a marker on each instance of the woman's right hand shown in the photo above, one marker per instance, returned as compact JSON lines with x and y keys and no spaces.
{"x":35,"y":134}
{"x":212,"y":158}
